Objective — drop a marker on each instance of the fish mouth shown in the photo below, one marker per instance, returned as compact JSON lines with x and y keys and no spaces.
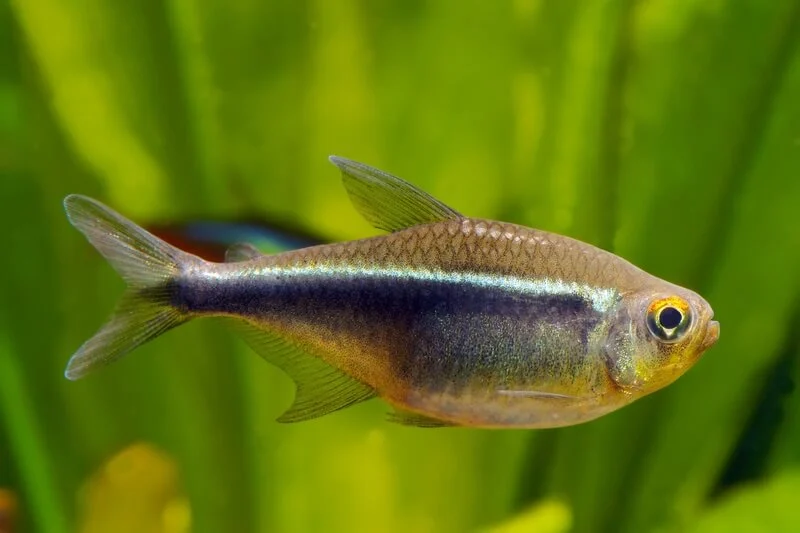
{"x":712,"y":334}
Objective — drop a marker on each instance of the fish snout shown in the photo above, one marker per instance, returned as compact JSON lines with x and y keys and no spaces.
{"x":712,"y":334}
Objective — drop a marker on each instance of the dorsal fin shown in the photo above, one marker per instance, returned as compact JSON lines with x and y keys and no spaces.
{"x":388,"y":202}
{"x":320,"y":388}
{"x":242,"y":251}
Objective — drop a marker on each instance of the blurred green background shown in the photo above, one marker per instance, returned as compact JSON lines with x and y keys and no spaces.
{"x":667,"y":131}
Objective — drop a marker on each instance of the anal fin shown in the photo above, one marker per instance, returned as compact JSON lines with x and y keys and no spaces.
{"x":320,"y":387}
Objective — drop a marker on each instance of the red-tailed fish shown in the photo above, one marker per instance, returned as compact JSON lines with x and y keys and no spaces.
{"x":451,"y":320}
{"x":211,"y":239}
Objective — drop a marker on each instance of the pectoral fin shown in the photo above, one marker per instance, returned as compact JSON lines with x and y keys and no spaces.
{"x":320,"y":388}
{"x":536,"y":394}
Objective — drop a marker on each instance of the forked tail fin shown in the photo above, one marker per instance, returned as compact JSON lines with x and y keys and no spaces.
{"x":146,"y":263}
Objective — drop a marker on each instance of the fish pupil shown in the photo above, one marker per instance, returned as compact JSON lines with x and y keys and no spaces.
{"x":670,"y":318}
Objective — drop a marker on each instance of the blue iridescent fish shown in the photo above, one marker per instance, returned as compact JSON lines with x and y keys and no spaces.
{"x":211,"y":239}
{"x":451,"y":320}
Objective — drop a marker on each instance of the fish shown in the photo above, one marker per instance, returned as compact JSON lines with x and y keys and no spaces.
{"x":450,"y":320}
{"x":211,"y":239}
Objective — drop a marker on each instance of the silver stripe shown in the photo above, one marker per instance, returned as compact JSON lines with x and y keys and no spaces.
{"x":602,"y":298}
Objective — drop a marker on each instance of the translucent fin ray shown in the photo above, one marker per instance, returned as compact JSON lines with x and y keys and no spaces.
{"x":536,"y":394}
{"x":388,"y":202}
{"x":320,"y":388}
{"x":140,"y":258}
{"x":136,"y":320}
{"x":146,"y":263}
{"x":407,"y":418}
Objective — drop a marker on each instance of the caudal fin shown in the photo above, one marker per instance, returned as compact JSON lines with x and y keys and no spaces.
{"x":146,"y":263}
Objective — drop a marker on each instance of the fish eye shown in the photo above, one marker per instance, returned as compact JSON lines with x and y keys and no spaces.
{"x":668,"y":319}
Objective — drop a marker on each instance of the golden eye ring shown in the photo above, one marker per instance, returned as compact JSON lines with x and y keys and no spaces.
{"x":668,"y":319}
